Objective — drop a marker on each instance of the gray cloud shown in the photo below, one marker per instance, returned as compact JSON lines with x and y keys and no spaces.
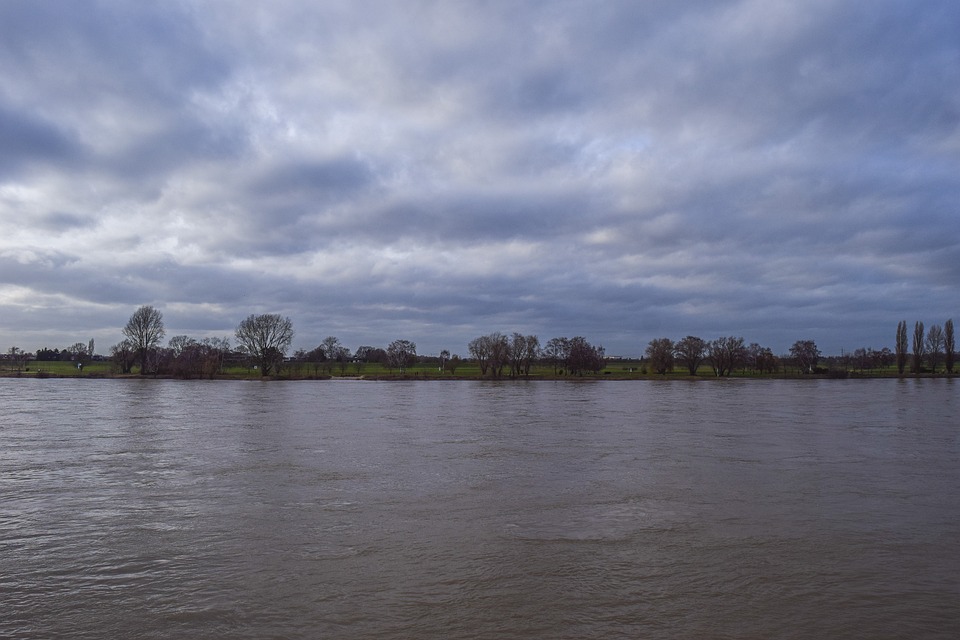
{"x":27,"y":139}
{"x":437,"y":170}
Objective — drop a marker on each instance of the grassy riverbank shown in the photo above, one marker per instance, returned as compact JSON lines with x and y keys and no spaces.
{"x":620,"y":370}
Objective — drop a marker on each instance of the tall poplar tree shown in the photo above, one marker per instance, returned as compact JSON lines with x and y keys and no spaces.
{"x":949,"y":346}
{"x":919,"y":347}
{"x":901,"y":346}
{"x":934,"y":346}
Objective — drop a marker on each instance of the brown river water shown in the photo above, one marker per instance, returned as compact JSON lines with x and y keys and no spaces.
{"x":469,"y":509}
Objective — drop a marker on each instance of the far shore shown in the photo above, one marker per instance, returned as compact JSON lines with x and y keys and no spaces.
{"x":435,"y":377}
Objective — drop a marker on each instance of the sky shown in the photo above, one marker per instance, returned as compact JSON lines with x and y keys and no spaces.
{"x":437,"y":171}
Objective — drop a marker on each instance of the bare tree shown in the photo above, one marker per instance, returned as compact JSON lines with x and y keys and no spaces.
{"x":724,"y":354}
{"x":157,"y":360}
{"x":401,"y":354}
{"x":178,"y":344}
{"x":499,"y":353}
{"x":862,"y":358}
{"x":78,"y":353}
{"x":144,"y":330}
{"x":901,"y":346}
{"x":334,"y":352}
{"x":949,"y":346}
{"x":365,"y":354}
{"x":492,"y":353}
{"x":187,"y":357}
{"x":453,"y":363}
{"x":480,"y":350}
{"x":583,"y":357}
{"x":690,"y":351}
{"x":343,"y":360}
{"x":919,"y":345}
{"x":660,"y":353}
{"x":516,"y":349}
{"x":934,"y":346}
{"x":765,"y":361}
{"x":556,"y":352}
{"x":806,"y":354}
{"x":444,"y":358}
{"x":883,"y":358}
{"x":531,"y":353}
{"x":215,"y":350}
{"x":266,"y":339}
{"x":123,"y":355}
{"x":19,"y":358}
{"x":524,"y":350}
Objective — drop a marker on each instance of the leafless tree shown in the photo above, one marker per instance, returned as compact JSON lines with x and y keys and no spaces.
{"x":187,"y":357}
{"x":949,"y":346}
{"x":883,"y":358}
{"x":334,"y":353}
{"x":531,"y":353}
{"x":901,"y":346}
{"x":177,"y":344}
{"x":365,"y":354}
{"x":157,"y":360}
{"x":499,"y":353}
{"x":266,"y":339}
{"x":806,"y":354}
{"x":724,"y":354}
{"x":401,"y":354}
{"x":556,"y":352}
{"x":453,"y":363}
{"x":934,"y":346}
{"x":144,"y":330}
{"x":123,"y":355}
{"x":660,"y":353}
{"x":19,"y":358}
{"x":78,"y":353}
{"x":215,"y":350}
{"x":516,"y":348}
{"x":524,"y":350}
{"x":919,"y":346}
{"x":584,"y":357}
{"x":480,"y":351}
{"x":444,"y":358}
{"x":690,"y":351}
{"x":766,"y":362}
{"x":492,"y":353}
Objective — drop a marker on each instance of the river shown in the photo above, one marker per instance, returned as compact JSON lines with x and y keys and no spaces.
{"x":469,"y":509}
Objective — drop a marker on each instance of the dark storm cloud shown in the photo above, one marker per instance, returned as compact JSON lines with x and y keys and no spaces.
{"x":437,"y":170}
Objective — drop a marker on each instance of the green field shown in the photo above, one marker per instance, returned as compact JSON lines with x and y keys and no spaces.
{"x":58,"y":369}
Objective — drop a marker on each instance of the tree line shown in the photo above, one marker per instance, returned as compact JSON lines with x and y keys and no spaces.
{"x":928,"y":347}
{"x":263,"y":342}
{"x":517,"y":353}
{"x":726,"y":354}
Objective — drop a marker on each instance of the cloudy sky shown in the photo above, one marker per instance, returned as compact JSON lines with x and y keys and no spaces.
{"x":435,"y":171}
